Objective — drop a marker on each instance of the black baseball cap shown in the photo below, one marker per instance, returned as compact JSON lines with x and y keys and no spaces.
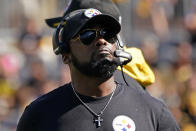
{"x":105,"y":6}
{"x":77,"y":19}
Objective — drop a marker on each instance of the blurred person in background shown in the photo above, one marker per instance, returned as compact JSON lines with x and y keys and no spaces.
{"x":8,"y":73}
{"x":15,"y":103}
{"x":149,"y":47}
{"x":38,"y":74}
{"x":6,"y":102}
{"x":30,"y":39}
{"x":188,"y":107}
{"x":28,"y":44}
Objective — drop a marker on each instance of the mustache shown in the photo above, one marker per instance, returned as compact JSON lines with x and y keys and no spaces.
{"x":115,"y":59}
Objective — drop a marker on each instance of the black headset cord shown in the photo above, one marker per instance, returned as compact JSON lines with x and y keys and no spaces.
{"x":123,"y":75}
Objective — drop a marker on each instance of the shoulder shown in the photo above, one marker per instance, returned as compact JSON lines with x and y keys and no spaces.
{"x":50,"y":98}
{"x":43,"y":105}
{"x":132,"y":82}
{"x":154,"y":108}
{"x":145,"y":99}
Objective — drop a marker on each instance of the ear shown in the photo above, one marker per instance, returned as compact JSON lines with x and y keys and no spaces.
{"x":66,"y":58}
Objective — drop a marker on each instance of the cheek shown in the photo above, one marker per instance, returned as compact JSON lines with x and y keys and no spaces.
{"x":114,"y":47}
{"x":81,"y":52}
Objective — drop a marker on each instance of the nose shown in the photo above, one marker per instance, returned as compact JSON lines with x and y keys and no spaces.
{"x":101,"y":41}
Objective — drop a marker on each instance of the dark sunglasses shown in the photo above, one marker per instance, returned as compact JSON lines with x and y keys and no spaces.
{"x":87,"y":36}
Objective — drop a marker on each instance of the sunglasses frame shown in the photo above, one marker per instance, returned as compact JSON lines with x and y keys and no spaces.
{"x":98,"y":34}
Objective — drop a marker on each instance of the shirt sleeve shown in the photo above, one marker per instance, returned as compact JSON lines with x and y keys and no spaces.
{"x":27,"y":121}
{"x":167,"y":121}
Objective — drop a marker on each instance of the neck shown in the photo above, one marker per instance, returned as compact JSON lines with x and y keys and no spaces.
{"x":92,"y":86}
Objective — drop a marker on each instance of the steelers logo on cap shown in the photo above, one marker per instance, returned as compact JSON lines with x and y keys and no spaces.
{"x":123,"y":123}
{"x":91,"y":12}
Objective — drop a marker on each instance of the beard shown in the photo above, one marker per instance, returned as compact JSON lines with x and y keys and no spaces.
{"x":102,"y":67}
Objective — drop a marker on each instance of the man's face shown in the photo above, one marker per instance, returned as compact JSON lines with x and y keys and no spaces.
{"x":96,"y":58}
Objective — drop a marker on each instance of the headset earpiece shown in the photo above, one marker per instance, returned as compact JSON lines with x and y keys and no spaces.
{"x":59,"y":46}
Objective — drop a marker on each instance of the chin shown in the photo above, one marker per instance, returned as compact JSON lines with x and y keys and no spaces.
{"x":104,"y":68}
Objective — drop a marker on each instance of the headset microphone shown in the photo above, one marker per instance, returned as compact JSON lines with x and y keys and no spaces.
{"x":123,"y":56}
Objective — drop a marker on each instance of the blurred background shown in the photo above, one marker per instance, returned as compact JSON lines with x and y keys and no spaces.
{"x":165,"y":31}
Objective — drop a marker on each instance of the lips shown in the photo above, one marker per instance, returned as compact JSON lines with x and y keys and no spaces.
{"x":105,"y":51}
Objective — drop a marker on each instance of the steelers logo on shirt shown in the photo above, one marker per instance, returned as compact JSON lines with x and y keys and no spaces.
{"x":123,"y":123}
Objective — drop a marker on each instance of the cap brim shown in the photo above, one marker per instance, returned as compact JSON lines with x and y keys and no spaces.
{"x":53,"y":22}
{"x":106,"y":21}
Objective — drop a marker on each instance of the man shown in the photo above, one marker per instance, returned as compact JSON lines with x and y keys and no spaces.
{"x":137,"y":72}
{"x":93,"y":100}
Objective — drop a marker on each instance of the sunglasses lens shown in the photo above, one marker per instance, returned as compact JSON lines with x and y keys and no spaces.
{"x":108,"y":36}
{"x":87,"y":37}
{"x":112,"y":40}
